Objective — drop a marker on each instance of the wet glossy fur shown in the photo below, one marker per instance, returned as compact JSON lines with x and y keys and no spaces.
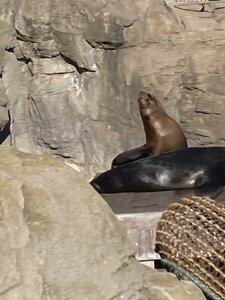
{"x":184,"y":168}
{"x":162,"y":132}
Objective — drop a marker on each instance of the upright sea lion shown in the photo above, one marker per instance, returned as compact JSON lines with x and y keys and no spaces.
{"x":197,"y":167}
{"x":162,"y":132}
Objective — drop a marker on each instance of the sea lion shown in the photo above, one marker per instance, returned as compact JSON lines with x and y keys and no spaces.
{"x":197,"y":167}
{"x":162,"y":132}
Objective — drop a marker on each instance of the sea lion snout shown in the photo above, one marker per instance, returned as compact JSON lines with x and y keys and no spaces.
{"x":95,"y":185}
{"x":143,"y":98}
{"x":143,"y":95}
{"x":147,"y":100}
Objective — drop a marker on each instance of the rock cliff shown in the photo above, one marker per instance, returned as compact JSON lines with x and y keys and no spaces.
{"x":71,"y":72}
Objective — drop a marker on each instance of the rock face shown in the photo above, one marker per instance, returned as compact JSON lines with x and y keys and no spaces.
{"x":71,"y":73}
{"x":59,"y":240}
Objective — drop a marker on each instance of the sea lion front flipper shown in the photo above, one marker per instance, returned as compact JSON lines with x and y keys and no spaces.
{"x":131,"y":155}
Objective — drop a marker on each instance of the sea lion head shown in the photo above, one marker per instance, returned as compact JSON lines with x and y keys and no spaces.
{"x":148,"y":102}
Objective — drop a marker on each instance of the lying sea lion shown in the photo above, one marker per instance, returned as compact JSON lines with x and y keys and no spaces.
{"x":197,"y":167}
{"x":162,"y":132}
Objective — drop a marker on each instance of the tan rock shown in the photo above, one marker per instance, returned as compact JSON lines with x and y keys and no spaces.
{"x":59,"y":240}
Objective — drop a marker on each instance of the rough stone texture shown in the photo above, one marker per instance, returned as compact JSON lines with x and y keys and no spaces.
{"x":71,"y":72}
{"x":60,"y":241}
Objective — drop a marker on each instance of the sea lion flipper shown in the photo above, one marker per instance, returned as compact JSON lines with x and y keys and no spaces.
{"x":131,"y":155}
{"x":211,"y":191}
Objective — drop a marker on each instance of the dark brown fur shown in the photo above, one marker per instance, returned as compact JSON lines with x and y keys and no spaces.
{"x":162,"y":132}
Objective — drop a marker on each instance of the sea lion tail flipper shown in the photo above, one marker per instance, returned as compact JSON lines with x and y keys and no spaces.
{"x":131,"y":155}
{"x":211,"y":191}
